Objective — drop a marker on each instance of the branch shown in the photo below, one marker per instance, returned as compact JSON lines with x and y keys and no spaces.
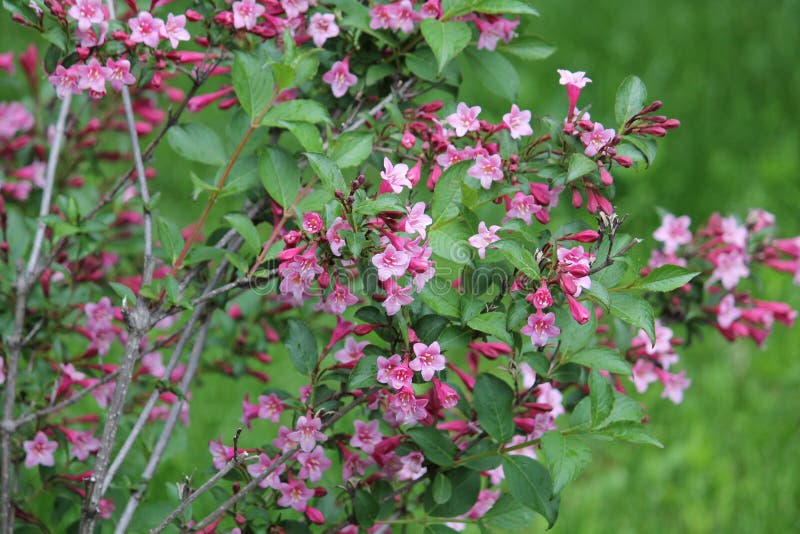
{"x":14,"y":342}
{"x":399,"y":94}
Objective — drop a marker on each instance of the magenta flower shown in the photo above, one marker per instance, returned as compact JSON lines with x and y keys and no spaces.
{"x":729,"y":269}
{"x":335,"y":241}
{"x":673,"y":232}
{"x":491,"y":32}
{"x":83,"y":443}
{"x":340,"y":299}
{"x":674,"y":385}
{"x":273,"y":480}
{"x":402,"y":16}
{"x":541,"y":327}
{"x":295,"y":8}
{"x":308,"y":432}
{"x":283,"y":441}
{"x":175,"y":29}
{"x":733,"y":233}
{"x":270,"y":407}
{"x":484,"y":238}
{"x":385,"y":366}
{"x":39,"y":451}
{"x":429,"y":359}
{"x":405,"y":408}
{"x":352,"y":352}
{"x":597,"y":139}
{"x":366,"y":435}
{"x":487,"y":169}
{"x":417,"y":221}
{"x":396,"y":297}
{"x":295,"y":494}
{"x":518,"y":122}
{"x":395,"y":175}
{"x":145,"y":29}
{"x":322,"y":27}
{"x":14,"y":118}
{"x":93,"y":78}
{"x":245,"y":14}
{"x":447,"y":396}
{"x":465,"y":119}
{"x":87,"y":12}
{"x":249,"y":411}
{"x":99,"y":315}
{"x":313,"y":464}
{"x":380,"y":17}
{"x":339,"y":78}
{"x":220,"y":454}
{"x":412,"y":466}
{"x":523,"y":207}
{"x":391,"y":263}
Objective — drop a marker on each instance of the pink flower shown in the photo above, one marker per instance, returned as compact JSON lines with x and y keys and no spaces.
{"x":93,"y":36}
{"x":339,"y":77}
{"x":340,"y":299}
{"x":402,"y":16}
{"x":352,"y":352}
{"x":385,"y":366}
{"x":65,"y":81}
{"x":87,"y":12}
{"x":733,"y":233}
{"x":405,"y":408}
{"x":308,"y":432}
{"x":295,"y":494}
{"x":523,"y":207}
{"x":447,"y":396}
{"x":417,"y":221}
{"x":542,"y":298}
{"x":492,"y":32}
{"x":272,"y":480}
{"x":93,"y":78}
{"x":99,"y":315}
{"x":486,"y":499}
{"x":487,"y":169}
{"x":39,"y":451}
{"x":518,"y":122}
{"x":354,"y":465}
{"x":294,"y":8}
{"x":118,"y":73}
{"x":644,"y":373}
{"x":145,"y":29}
{"x":429,"y":359}
{"x":673,"y":232}
{"x":674,"y":385}
{"x":313,"y":464}
{"x":14,"y":118}
{"x":83,"y":443}
{"x":283,"y":441}
{"x":547,"y":394}
{"x":380,"y":17}
{"x":465,"y":119}
{"x":484,"y":238}
{"x":730,"y":268}
{"x":245,"y":14}
{"x":335,"y":241}
{"x":391,"y":263}
{"x":527,"y":374}
{"x":175,"y":30}
{"x":270,"y":407}
{"x":412,"y":466}
{"x":396,"y":297}
{"x":396,"y":175}
{"x":597,"y":139}
{"x":153,"y":364}
{"x":220,"y":454}
{"x":541,"y":327}
{"x":398,"y":376}
{"x":578,"y":79}
{"x":2,"y":371}
{"x":322,"y":27}
{"x":249,"y":410}
{"x":312,"y":222}
{"x":7,"y":62}
{"x":366,"y":435}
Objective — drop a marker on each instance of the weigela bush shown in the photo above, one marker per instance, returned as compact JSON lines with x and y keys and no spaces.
{"x":456,"y":289}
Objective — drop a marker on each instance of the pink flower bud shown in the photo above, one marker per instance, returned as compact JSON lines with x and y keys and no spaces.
{"x":578,"y":311}
{"x":312,"y":222}
{"x":605,"y":176}
{"x":577,"y":198}
{"x":324,"y":280}
{"x":584,"y":236}
{"x":314,"y":515}
{"x":436,"y":172}
{"x":671,"y":124}
{"x":193,"y":15}
{"x":408,"y":140}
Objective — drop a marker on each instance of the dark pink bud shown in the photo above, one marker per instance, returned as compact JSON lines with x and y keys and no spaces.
{"x":235,"y":312}
{"x":578,"y":311}
{"x":578,"y":270}
{"x":408,"y":140}
{"x":671,"y":124}
{"x":568,"y":284}
{"x":541,"y":193}
{"x":542,"y":298}
{"x":655,"y":106}
{"x":624,"y":161}
{"x":324,"y":279}
{"x":605,"y":176}
{"x":655,"y":131}
{"x":415,"y":172}
{"x":290,"y":253}
{"x":577,"y":198}
{"x":585,"y":236}
{"x":312,"y":222}
{"x":292,"y":238}
{"x":193,"y":15}
{"x":314,"y":515}
{"x":436,"y":172}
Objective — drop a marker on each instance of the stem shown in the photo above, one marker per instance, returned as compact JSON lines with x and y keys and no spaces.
{"x":14,"y":342}
{"x":380,"y":105}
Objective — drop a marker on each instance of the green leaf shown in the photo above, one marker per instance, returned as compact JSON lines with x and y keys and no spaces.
{"x":567,"y":456}
{"x":124,"y":292}
{"x":492,"y":323}
{"x":489,"y":69}
{"x":530,"y":484}
{"x":429,"y":327}
{"x":378,"y":72}
{"x":279,"y":175}
{"x":366,"y":508}
{"x":601,"y":395}
{"x":442,"y":489}
{"x":297,"y":111}
{"x":447,"y":194}
{"x":574,"y":336}
{"x":435,"y":445}
{"x":441,"y":297}
{"x":509,"y":515}
{"x":307,"y":134}
{"x":630,"y":431}
{"x":602,"y":358}
{"x":598,"y":293}
{"x":381,"y":203}
{"x":351,"y":149}
{"x":170,"y":237}
{"x":302,"y":347}
{"x":467,"y":485}
{"x":253,"y":83}
{"x":631,"y":96}
{"x":579,"y":166}
{"x":529,"y":48}
{"x":633,"y":310}
{"x":510,"y":7}
{"x":364,"y":373}
{"x":329,"y":174}
{"x":246,"y":229}
{"x":487,"y":457}
{"x":521,"y":258}
{"x":197,"y":142}
{"x":647,"y":146}
{"x":665,"y":278}
{"x":492,"y":401}
{"x":446,"y":39}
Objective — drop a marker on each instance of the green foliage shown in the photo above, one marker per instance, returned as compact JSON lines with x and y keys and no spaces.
{"x":253,"y":83}
{"x":446,"y":39}
{"x":197,"y":142}
{"x":492,"y":402}
{"x":279,"y":175}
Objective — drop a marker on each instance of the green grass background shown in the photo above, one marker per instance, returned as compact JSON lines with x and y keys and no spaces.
{"x":727,"y":70}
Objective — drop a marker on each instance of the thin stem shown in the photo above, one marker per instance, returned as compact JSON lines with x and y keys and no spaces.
{"x":382,"y":104}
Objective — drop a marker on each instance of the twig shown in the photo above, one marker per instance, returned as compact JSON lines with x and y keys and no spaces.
{"x":610,"y":259}
{"x":14,"y":342}
{"x":382,"y":104}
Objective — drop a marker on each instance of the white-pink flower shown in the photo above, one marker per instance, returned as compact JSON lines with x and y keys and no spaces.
{"x":396,"y":175}
{"x":339,"y":77}
{"x":336,"y":241}
{"x":272,"y":480}
{"x":246,"y":13}
{"x":578,"y":79}
{"x":295,"y":494}
{"x":417,"y":221}
{"x":523,"y":207}
{"x":87,"y":12}
{"x":487,"y":169}
{"x":83,"y":444}
{"x":366,"y":436}
{"x":465,"y":119}
{"x":673,"y":232}
{"x":518,"y":122}
{"x":313,"y":464}
{"x":595,"y":140}
{"x":352,"y":352}
{"x":429,"y":359}
{"x":322,"y":27}
{"x":294,"y":8}
{"x":644,"y":374}
{"x":484,"y":238}
{"x":220,"y":454}
{"x":93,"y":78}
{"x":118,"y":73}
{"x":391,"y":262}
{"x":729,"y":268}
{"x":396,"y":297}
{"x":674,"y":385}
{"x":175,"y":29}
{"x":541,"y":327}
{"x":270,"y":407}
{"x":412,"y":466}
{"x":39,"y":451}
{"x":728,"y":312}
{"x":307,"y":433}
{"x":145,"y":29}
{"x":65,"y":81}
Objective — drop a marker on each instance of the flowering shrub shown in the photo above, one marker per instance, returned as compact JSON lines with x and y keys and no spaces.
{"x":456,"y":290}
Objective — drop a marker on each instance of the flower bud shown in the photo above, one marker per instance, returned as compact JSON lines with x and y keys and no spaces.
{"x":584,"y":236}
{"x":578,"y":311}
{"x":408,"y":140}
{"x":193,"y":15}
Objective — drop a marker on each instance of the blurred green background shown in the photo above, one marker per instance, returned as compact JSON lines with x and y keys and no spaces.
{"x":727,"y":70}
